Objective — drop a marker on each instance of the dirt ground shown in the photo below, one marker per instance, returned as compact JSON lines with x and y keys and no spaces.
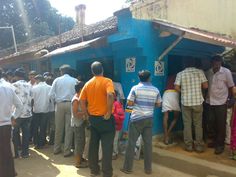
{"x":42,"y":163}
{"x":208,"y":155}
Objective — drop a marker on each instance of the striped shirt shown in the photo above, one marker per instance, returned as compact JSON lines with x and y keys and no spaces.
{"x":190,"y":80}
{"x":145,"y":96}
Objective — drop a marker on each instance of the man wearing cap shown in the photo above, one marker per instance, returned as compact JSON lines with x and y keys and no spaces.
{"x":63,"y":91}
{"x":7,"y":117}
{"x":97,"y":98}
{"x":220,"y":88}
{"x":24,"y":91}
{"x":40,"y":107}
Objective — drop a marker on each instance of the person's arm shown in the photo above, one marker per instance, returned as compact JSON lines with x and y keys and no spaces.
{"x":177,"y":83}
{"x":18,"y":108}
{"x":158,"y":100}
{"x":205,"y":85}
{"x":75,"y":108}
{"x":52,"y":90}
{"x":83,"y":101}
{"x":110,"y":100}
{"x":178,"y":88}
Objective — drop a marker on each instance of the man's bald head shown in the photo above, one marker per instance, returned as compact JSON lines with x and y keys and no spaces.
{"x":96,"y":68}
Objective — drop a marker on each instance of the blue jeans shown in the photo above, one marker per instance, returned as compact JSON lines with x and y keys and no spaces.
{"x":144,"y":128}
{"x":24,"y":125}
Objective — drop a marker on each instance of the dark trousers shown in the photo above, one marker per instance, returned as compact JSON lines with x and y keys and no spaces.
{"x":103,"y":130}
{"x":51,"y":127}
{"x":40,"y":127}
{"x":144,"y":128}
{"x":24,"y":125}
{"x":218,"y":120}
{"x":7,"y":168}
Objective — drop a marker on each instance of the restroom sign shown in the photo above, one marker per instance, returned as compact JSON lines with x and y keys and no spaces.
{"x":159,"y":68}
{"x":130,"y":64}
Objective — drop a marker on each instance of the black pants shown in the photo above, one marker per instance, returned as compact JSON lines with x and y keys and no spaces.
{"x":7,"y":168}
{"x":103,"y":130}
{"x":207,"y":124}
{"x":40,"y":127}
{"x":218,"y":116}
{"x":24,"y":125}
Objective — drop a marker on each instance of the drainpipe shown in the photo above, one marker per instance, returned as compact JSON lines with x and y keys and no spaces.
{"x":167,"y":50}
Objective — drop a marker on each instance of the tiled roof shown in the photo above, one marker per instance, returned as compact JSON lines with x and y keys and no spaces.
{"x":73,"y":36}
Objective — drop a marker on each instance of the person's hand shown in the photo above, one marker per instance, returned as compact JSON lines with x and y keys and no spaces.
{"x":13,"y":122}
{"x":107,"y":116}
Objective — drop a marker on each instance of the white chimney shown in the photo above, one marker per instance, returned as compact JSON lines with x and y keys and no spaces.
{"x":80,"y":15}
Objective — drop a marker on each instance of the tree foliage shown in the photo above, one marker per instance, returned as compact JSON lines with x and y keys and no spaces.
{"x":31,"y":19}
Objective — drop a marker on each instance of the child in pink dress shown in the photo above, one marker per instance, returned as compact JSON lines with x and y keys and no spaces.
{"x":233,"y":130}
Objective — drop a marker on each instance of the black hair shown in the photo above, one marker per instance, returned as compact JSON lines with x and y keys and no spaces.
{"x":39,"y":77}
{"x":144,"y":75}
{"x":189,"y":61}
{"x":78,"y":86}
{"x":65,"y":69}
{"x":1,"y":72}
{"x":97,"y":68}
{"x":9,"y":73}
{"x":217,"y":58}
{"x":20,"y":72}
{"x":49,"y":80}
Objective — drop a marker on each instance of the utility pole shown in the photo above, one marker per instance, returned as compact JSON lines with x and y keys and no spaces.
{"x":13,"y":35}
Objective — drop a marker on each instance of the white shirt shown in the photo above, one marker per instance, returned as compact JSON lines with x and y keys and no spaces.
{"x":219,"y":84}
{"x":24,"y":91}
{"x":75,"y":122}
{"x":9,"y":99}
{"x":41,"y":98}
{"x":63,"y":88}
{"x":118,"y":88}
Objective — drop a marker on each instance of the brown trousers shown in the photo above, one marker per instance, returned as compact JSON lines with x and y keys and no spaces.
{"x":7,"y":168}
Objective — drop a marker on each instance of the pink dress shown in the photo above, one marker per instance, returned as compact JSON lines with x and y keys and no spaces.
{"x":233,"y":133}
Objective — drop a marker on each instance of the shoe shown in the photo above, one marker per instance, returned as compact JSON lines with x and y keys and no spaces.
{"x":79,"y":163}
{"x":126,"y":171}
{"x":148,"y":172}
{"x":95,"y":174}
{"x":199,"y":148}
{"x":25,"y":156}
{"x":38,"y":147}
{"x":57,"y":152}
{"x":189,"y":148}
{"x":68,"y":155}
{"x":82,"y":165}
{"x":219,"y":150}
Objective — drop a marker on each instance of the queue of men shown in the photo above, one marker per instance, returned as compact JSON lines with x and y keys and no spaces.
{"x":34,"y":103}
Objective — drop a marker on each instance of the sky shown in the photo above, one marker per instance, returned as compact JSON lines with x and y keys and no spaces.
{"x":96,"y":10}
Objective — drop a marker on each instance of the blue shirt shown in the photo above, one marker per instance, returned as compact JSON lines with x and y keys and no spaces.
{"x":145,"y":96}
{"x":63,"y":88}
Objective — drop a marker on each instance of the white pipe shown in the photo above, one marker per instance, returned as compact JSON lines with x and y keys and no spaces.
{"x":166,"y":51}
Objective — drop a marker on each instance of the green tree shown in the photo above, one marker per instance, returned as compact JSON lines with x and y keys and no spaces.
{"x":30,"y":19}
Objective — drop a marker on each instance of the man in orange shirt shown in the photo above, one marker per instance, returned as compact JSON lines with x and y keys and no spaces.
{"x":97,"y":98}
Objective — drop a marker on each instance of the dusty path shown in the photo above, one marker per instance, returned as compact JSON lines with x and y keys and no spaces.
{"x":43,"y":163}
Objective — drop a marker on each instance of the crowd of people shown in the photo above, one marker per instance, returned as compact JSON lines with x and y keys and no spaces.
{"x":86,"y":119}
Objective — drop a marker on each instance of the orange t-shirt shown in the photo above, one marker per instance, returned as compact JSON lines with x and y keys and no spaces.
{"x":95,"y":93}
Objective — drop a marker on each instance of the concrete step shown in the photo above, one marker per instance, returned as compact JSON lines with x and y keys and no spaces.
{"x":191,"y":165}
